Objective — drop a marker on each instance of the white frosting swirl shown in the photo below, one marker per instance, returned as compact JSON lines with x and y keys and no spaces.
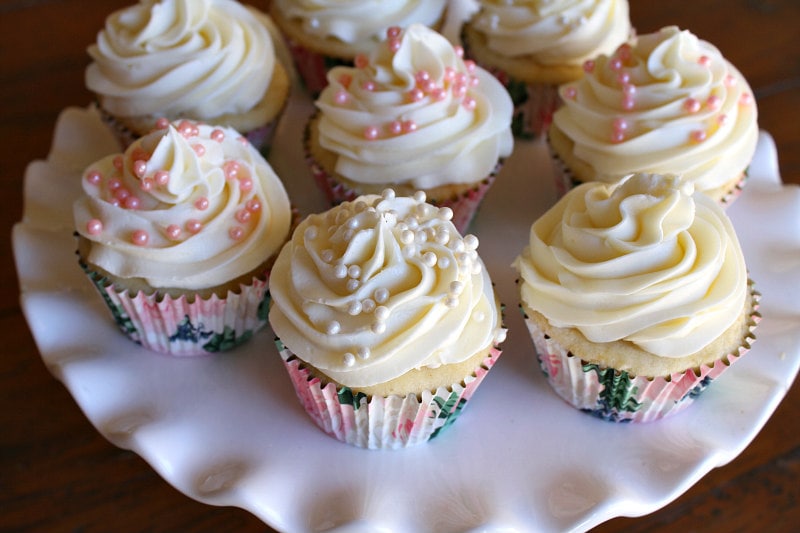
{"x":353,"y":21}
{"x":560,"y":32}
{"x":175,"y":58}
{"x":379,"y":286}
{"x":432,"y":124}
{"x":645,"y":261}
{"x":665,"y":103}
{"x":190,"y":207}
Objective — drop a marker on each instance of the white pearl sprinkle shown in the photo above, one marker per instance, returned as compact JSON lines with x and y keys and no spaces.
{"x":348,"y":235}
{"x":382,"y":313}
{"x":352,"y":284}
{"x":419,"y":196}
{"x":442,"y":237}
{"x":445,"y":213}
{"x":478,"y":316}
{"x":354,"y":308}
{"x":349,"y":359}
{"x":311,"y":233}
{"x":364,"y":352}
{"x":476,"y":267}
{"x":456,"y":287}
{"x":388,"y":194}
{"x":407,"y":237}
{"x":451,"y":302}
{"x":353,"y":223}
{"x":444,"y":262}
{"x":368,"y":305}
{"x":381,"y":295}
{"x":359,"y":206}
{"x":471,"y":242}
{"x":327,"y":255}
{"x":378,"y":327}
{"x":429,"y":258}
{"x":457,"y":245}
{"x":354,"y":271}
{"x":409,"y":251}
{"x":420,"y":236}
{"x":340,"y":271}
{"x":333,"y":327}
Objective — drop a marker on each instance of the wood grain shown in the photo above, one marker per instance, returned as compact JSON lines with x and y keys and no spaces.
{"x":59,"y":474}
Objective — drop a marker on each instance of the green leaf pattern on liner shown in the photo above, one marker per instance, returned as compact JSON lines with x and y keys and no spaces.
{"x":618,"y":395}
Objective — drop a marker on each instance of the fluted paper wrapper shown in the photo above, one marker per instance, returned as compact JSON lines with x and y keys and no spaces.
{"x":313,"y":66}
{"x":377,"y":422}
{"x":622,"y":397}
{"x":465,"y":205}
{"x":178,"y":327}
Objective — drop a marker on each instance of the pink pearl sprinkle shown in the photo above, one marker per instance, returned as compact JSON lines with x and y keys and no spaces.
{"x":132,"y":202}
{"x":629,"y":89}
{"x":147,"y":184}
{"x":618,"y":136}
{"x":193,"y":225}
{"x":713,"y":102}
{"x":162,"y":123}
{"x":368,"y":85}
{"x":371,"y":133}
{"x":459,"y":90}
{"x":94,"y":227}
{"x":722,"y":119}
{"x":161,"y":177}
{"x":231,"y":169}
{"x":730,"y":80}
{"x":409,"y":126}
{"x":394,"y":45}
{"x":341,"y":97}
{"x":246,"y":184}
{"x":691,"y":105}
{"x":416,"y":94}
{"x":94,"y":177}
{"x":624,"y":52}
{"x":469,"y":103}
{"x":201,"y":203}
{"x":623,"y":77}
{"x":571,"y":92}
{"x":588,"y":66}
{"x":396,"y":127}
{"x":199,"y":149}
{"x":393,"y":32}
{"x":459,"y":50}
{"x":120,"y":193}
{"x":253,"y":205}
{"x":361,"y":61}
{"x":114,"y":184}
{"x":218,"y":135}
{"x":188,"y":129}
{"x":243,"y":216}
{"x":474,"y":81}
{"x":173,"y":231}
{"x":470,"y":65}
{"x":704,"y":60}
{"x":118,"y":163}
{"x":236,"y":233}
{"x":746,"y":99}
{"x":428,"y":86}
{"x":139,"y":168}
{"x":243,"y":140}
{"x":615,"y":64}
{"x":449,"y":73}
{"x":628,"y":103}
{"x":462,"y":78}
{"x":620,"y":124}
{"x":438,"y":94}
{"x":345,"y":80}
{"x":698,"y":136}
{"x":140,"y":237}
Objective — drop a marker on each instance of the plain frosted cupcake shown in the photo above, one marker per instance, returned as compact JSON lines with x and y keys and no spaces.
{"x":533,"y":47}
{"x":322,"y":34}
{"x":666,"y":102}
{"x":179,"y":233}
{"x":636,"y":296}
{"x":207,"y":60}
{"x":386,"y":319}
{"x":413,"y":116}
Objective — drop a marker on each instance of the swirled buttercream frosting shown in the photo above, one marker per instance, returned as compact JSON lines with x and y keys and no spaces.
{"x":665,"y":102}
{"x":353,"y":21}
{"x":188,"y":206}
{"x":382,"y":285}
{"x":644,"y":261}
{"x":553,"y":33}
{"x":414,"y":112}
{"x":182,"y":58}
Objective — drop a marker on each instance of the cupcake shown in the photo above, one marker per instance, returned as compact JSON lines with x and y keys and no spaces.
{"x":533,"y":47}
{"x":636,"y":296}
{"x":322,"y":34}
{"x":413,"y":116}
{"x":385,"y":318}
{"x":212,"y":61}
{"x":178,"y":235}
{"x":666,"y":102}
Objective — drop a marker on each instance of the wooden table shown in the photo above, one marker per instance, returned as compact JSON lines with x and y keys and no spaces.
{"x":59,"y":474}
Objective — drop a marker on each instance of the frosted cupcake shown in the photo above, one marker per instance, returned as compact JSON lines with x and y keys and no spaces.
{"x":386,"y":319}
{"x":412,"y":116}
{"x":636,"y":296}
{"x":667,"y":102}
{"x":533,"y":47}
{"x":322,"y":34}
{"x":178,"y":235}
{"x":205,"y":60}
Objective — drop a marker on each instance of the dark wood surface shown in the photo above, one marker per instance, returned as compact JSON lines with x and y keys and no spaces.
{"x":59,"y":474}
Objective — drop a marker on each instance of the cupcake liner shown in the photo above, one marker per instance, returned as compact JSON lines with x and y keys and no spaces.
{"x":178,"y":327}
{"x":376,"y":422}
{"x":619,"y":396}
{"x":313,"y":66}
{"x":534,"y":104}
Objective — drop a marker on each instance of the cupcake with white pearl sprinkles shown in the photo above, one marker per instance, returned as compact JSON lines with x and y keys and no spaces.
{"x":665,"y":102}
{"x":413,"y":115}
{"x":178,"y":234}
{"x":386,"y":319}
{"x":636,"y":295}
{"x":533,"y":47}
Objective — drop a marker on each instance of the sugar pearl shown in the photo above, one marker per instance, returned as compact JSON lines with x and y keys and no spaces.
{"x":381,"y":295}
{"x":349,"y":359}
{"x":378,"y":327}
{"x":333,"y":328}
{"x":354,"y":308}
{"x":94,"y":227}
{"x":340,"y":271}
{"x":363,"y":352}
{"x":140,"y":237}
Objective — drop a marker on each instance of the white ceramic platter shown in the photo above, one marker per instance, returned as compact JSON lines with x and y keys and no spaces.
{"x":228,"y":430}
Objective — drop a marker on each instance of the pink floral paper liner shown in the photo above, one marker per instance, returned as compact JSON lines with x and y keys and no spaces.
{"x":178,"y":327}
{"x":465,"y":205}
{"x":618,"y":396}
{"x":261,"y":138}
{"x":564,"y":180}
{"x":376,"y":422}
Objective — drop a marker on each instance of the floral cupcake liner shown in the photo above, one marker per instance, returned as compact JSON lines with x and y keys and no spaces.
{"x":376,"y":422}
{"x":619,"y":396}
{"x":178,"y":327}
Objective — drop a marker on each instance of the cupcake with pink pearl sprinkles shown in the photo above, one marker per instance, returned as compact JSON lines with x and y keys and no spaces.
{"x":665,"y":102}
{"x":386,"y":319}
{"x":178,"y":234}
{"x":413,"y":115}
